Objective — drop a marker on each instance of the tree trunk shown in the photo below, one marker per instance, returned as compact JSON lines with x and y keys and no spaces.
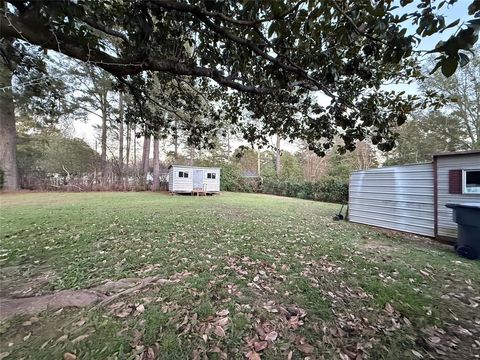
{"x":259,"y":172}
{"x":278,"y":156}
{"x":192,"y":154}
{"x":229,"y":148}
{"x":145,"y":162}
{"x":103,"y":141}
{"x":8,"y":137}
{"x":156,"y":164}
{"x":120,"y":139}
{"x":175,"y":142}
{"x":127,"y":157}
{"x":135,"y":151}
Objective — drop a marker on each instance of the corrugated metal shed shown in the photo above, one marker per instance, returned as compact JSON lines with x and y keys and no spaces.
{"x":397,"y":197}
{"x":445,"y":163}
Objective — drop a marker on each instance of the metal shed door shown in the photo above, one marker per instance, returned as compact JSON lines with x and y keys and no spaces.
{"x":197,"y":179}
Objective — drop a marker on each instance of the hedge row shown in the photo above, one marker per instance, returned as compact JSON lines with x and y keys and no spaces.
{"x":327,"y":190}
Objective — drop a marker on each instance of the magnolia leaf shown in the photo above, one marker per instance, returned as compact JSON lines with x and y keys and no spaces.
{"x":449,"y":65}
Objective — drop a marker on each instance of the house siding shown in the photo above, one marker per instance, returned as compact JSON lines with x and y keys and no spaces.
{"x":212,"y":185}
{"x":170,"y":179}
{"x":446,"y":227}
{"x":397,"y":197}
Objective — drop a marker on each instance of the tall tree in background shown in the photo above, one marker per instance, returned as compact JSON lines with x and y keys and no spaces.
{"x":427,"y":134}
{"x":463,"y":89}
{"x":95,"y":87}
{"x":121,"y":120}
{"x":145,"y":157}
{"x":8,"y":140}
{"x":156,"y":162}
{"x":313,"y":166}
{"x":278,"y":155}
{"x":28,"y":90}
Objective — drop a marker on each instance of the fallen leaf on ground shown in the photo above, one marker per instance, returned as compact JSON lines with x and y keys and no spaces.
{"x":61,"y":339}
{"x":389,"y":308}
{"x":69,"y":356}
{"x":148,"y":354}
{"x":417,"y":354}
{"x":252,"y":355}
{"x":223,"y":313}
{"x":260,"y":345}
{"x":80,"y":338}
{"x":271,"y":336}
{"x":195,"y":355}
{"x":305,"y":348}
{"x":123,"y":313}
{"x":222,"y":322}
{"x":139,"y":309}
{"x":136,"y":337}
{"x":80,"y":322}
{"x":434,"y":339}
{"x":462,"y":331}
{"x":219,"y":331}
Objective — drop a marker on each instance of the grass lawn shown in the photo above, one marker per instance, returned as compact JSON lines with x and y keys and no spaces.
{"x":261,"y":277}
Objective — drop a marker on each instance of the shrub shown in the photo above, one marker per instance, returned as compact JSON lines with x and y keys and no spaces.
{"x":328,"y":190}
{"x":229,"y":178}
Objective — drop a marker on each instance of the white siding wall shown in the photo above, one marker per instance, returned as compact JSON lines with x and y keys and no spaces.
{"x":177,"y":184}
{"x":170,"y":179}
{"x":182,"y":184}
{"x":396,"y":197}
{"x":212,"y":185}
{"x":446,"y":226}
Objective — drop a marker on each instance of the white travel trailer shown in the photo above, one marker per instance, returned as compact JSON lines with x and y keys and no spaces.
{"x":193,"y":179}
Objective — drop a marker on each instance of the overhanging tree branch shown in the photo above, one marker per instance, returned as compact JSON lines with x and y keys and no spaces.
{"x":198,"y":11}
{"x":13,"y":26}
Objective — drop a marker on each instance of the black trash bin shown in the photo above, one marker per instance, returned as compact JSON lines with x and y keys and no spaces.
{"x":467,"y":217}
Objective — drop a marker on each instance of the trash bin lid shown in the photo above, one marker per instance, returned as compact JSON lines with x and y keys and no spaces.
{"x":471,"y":205}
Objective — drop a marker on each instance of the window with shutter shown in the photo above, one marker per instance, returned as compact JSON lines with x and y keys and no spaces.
{"x":471,"y":181}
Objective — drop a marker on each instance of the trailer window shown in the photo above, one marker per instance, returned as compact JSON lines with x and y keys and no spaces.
{"x":471,"y":181}
{"x":183,"y":174}
{"x":211,"y":176}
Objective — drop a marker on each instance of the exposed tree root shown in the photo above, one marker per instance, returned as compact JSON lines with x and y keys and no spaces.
{"x":100,"y":295}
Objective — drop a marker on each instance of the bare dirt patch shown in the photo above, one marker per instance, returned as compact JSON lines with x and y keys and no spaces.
{"x":21,"y":281}
{"x":231,"y":213}
{"x":376,"y":246}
